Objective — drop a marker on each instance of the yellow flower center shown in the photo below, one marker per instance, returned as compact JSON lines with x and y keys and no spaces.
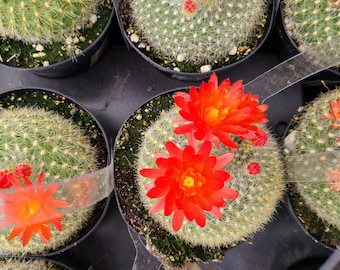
{"x":191,"y":181}
{"x":34,"y":206}
{"x":215,"y":115}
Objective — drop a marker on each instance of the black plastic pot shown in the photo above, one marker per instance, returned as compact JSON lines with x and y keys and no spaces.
{"x":196,"y":75}
{"x":68,"y":108}
{"x":79,"y":63}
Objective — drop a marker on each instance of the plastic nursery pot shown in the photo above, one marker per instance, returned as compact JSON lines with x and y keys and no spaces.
{"x":157,"y":39}
{"x":28,"y":263}
{"x":57,"y":59}
{"x":294,"y":42}
{"x":311,"y":163}
{"x":148,"y":129}
{"x":60,"y":145}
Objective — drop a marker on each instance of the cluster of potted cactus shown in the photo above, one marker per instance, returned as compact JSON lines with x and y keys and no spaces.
{"x":195,"y":36}
{"x":49,"y":147}
{"x":40,"y":33}
{"x":207,"y":173}
{"x":312,"y":150}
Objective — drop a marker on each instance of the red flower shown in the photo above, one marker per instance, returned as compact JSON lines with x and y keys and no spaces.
{"x":334,"y":113}
{"x":189,"y":182}
{"x":214,"y":112}
{"x":254,"y":168}
{"x":23,"y":171}
{"x":189,"y":8}
{"x":4,"y":179}
{"x":31,"y":209}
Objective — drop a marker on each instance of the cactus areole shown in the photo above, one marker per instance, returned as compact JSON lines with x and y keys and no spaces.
{"x":197,"y":171}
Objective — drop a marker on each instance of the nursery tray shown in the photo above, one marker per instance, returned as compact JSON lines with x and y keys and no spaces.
{"x":112,"y":89}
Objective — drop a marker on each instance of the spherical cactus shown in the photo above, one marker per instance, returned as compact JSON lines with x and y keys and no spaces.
{"x":311,"y":23}
{"x":40,"y":148}
{"x":311,"y":150}
{"x":195,"y":35}
{"x":45,"y":21}
{"x":250,"y":195}
{"x":28,"y":264}
{"x":43,"y":32}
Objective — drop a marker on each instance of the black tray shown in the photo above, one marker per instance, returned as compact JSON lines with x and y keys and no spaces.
{"x":112,"y":89}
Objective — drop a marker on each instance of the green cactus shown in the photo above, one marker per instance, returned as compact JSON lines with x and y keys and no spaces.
{"x":50,"y":143}
{"x":211,"y":34}
{"x":258,"y":194}
{"x":40,"y":27}
{"x":313,"y":135}
{"x":309,"y":23}
{"x":28,"y":264}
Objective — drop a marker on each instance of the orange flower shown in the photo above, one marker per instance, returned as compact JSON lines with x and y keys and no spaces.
{"x":214,"y":112}
{"x":189,"y":182}
{"x":335,"y":175}
{"x":334,"y":113}
{"x":31,"y":208}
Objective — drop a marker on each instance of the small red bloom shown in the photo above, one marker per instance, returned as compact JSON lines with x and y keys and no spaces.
{"x":4,"y":179}
{"x":189,"y":8}
{"x":189,"y":182}
{"x":31,"y":208}
{"x":23,"y":171}
{"x":214,"y":112}
{"x":254,"y":168}
{"x":334,"y":113}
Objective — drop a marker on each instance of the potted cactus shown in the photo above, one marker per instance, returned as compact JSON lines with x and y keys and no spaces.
{"x":306,"y":24}
{"x":312,"y":152}
{"x":39,"y":34}
{"x":54,"y":173}
{"x":197,"y":173}
{"x":187,"y":37}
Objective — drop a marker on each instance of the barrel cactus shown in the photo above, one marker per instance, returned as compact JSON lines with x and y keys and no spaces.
{"x":39,"y":148}
{"x":207,"y":194}
{"x":195,"y":35}
{"x":312,"y":150}
{"x":28,"y":264}
{"x":36,"y":25}
{"x":310,"y":23}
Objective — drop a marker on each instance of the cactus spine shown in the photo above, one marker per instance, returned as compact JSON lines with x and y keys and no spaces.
{"x":313,"y":135}
{"x":195,"y":32}
{"x":49,"y":143}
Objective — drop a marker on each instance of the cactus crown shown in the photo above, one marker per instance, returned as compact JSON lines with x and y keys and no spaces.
{"x":233,"y":215}
{"x":195,"y":33}
{"x":47,"y":142}
{"x":316,"y":133}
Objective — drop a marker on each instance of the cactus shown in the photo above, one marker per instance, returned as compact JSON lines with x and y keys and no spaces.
{"x":28,"y":264}
{"x":39,"y":28}
{"x":50,"y":143}
{"x":309,"y":23}
{"x":313,"y":134}
{"x":257,"y":176}
{"x":195,"y":35}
